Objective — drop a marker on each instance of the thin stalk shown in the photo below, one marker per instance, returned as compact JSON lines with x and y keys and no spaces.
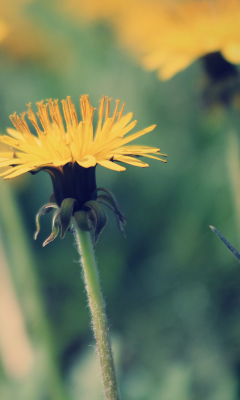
{"x":97,"y":308}
{"x":234,"y":173}
{"x":21,"y":259}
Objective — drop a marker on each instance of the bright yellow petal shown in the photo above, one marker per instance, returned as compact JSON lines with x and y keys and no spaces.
{"x":137,"y":135}
{"x":15,"y":134}
{"x":15,"y":172}
{"x":5,"y":155}
{"x":131,"y":160}
{"x":111,"y":165}
{"x":232,"y":52}
{"x":87,"y":161}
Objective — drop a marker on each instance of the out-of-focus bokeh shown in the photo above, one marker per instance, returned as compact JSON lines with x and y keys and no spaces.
{"x":172,"y":289}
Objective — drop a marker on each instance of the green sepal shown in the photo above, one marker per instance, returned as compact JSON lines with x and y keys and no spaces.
{"x":41,"y":212}
{"x":97,"y":216}
{"x":66,"y":215}
{"x":83,"y":221}
{"x":51,"y":200}
{"x":110,"y":201}
{"x":55,"y":227}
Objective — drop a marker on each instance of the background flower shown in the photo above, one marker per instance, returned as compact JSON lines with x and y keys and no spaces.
{"x":23,"y":38}
{"x":169,"y":36}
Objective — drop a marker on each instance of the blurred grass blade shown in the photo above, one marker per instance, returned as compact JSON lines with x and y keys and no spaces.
{"x":233,"y":167}
{"x":20,"y":257}
{"x":16,"y":350}
{"x":227,"y":244}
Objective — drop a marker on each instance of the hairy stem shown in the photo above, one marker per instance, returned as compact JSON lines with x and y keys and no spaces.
{"x":97,"y":308}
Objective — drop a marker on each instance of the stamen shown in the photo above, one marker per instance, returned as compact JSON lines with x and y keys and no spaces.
{"x":52,"y":112}
{"x":115,"y":113}
{"x":25,"y":131}
{"x":100,"y":113}
{"x":85,"y":105}
{"x":66,"y":114}
{"x":33,"y":119}
{"x":89,"y":111}
{"x":73,"y":113}
{"x":44,"y":116}
{"x":107,"y":109}
{"x":121,"y":111}
{"x":58,"y":115}
{"x":91,"y":115}
{"x":17,"y":122}
{"x":25,"y":123}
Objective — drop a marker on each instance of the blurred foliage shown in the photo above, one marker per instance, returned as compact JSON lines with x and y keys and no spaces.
{"x":171,"y":288}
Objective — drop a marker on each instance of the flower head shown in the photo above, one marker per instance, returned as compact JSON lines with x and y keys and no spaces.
{"x":69,"y":151}
{"x":56,"y":145}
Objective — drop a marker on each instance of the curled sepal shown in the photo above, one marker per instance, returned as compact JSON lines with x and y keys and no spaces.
{"x":55,"y":227}
{"x":51,"y":200}
{"x":110,"y":201}
{"x":97,"y":216}
{"x":66,"y":215}
{"x":42,"y":211}
{"x":83,"y":221}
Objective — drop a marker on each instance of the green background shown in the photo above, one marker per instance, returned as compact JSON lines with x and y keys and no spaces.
{"x":171,"y":287}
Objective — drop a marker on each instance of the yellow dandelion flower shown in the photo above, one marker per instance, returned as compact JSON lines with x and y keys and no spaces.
{"x":69,"y":151}
{"x":55,"y":146}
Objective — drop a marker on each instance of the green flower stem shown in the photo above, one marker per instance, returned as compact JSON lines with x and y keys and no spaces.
{"x":21,"y":260}
{"x":97,"y":308}
{"x":234,"y":172}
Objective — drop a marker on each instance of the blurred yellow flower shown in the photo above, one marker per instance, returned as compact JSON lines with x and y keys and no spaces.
{"x":55,"y":146}
{"x":12,"y":18}
{"x":21,"y":37}
{"x":94,"y":9}
{"x":3,"y":30}
{"x":169,"y":36}
{"x":196,"y":28}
